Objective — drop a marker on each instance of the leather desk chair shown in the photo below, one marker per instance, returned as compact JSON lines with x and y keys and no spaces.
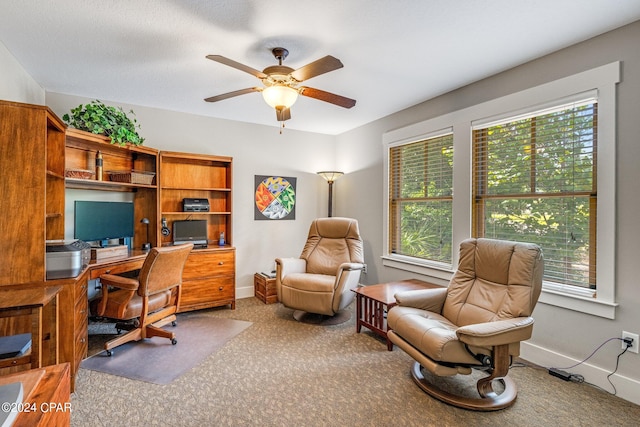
{"x":477,"y":322}
{"x":150,"y":301}
{"x":321,"y":280}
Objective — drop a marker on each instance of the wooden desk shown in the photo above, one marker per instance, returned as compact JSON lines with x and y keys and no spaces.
{"x":46,"y":396}
{"x":373,"y":302}
{"x":31,"y":308}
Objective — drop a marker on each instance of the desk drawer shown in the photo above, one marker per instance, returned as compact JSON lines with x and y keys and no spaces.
{"x":118,"y":268}
{"x":207,"y":292}
{"x":208,"y":264}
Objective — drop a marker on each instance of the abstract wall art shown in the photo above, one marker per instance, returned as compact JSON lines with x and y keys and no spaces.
{"x":275,"y":197}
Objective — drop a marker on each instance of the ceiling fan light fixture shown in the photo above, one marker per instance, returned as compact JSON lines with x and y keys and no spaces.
{"x":280,"y":96}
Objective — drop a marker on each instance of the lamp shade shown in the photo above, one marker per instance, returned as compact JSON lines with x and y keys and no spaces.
{"x":280,"y":96}
{"x":330,"y":176}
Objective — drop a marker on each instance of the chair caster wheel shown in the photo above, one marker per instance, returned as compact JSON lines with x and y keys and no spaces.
{"x":109,"y":353}
{"x":174,"y":323}
{"x":174,"y":341}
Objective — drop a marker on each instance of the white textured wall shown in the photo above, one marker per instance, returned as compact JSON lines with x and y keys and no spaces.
{"x":15,"y":83}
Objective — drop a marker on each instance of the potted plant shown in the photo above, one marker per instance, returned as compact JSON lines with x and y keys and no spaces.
{"x":101,"y":119}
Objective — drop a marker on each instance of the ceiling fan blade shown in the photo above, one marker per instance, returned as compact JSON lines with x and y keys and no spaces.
{"x":283,"y":114}
{"x":231,"y":63}
{"x":232,"y":94}
{"x":332,"y":98}
{"x":315,"y":68}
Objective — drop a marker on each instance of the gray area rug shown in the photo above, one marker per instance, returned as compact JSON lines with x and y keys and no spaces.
{"x":157,"y":361}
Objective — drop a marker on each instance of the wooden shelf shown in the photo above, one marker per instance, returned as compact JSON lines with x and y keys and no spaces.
{"x":196,"y":188}
{"x":93,"y":184}
{"x":195,"y":213}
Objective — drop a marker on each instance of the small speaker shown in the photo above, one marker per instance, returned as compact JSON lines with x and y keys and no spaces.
{"x":165,"y":230}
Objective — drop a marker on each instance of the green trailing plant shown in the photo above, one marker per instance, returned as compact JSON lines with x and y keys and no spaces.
{"x":101,"y":119}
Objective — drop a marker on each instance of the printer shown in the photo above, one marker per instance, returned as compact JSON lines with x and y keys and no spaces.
{"x":195,"y":205}
{"x":66,"y":259}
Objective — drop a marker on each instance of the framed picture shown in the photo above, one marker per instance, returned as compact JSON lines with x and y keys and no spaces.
{"x":275,"y":197}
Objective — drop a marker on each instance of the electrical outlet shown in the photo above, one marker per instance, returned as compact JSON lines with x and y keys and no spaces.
{"x":634,"y":345}
{"x":364,"y":270}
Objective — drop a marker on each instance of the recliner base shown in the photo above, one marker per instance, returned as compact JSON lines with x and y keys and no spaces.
{"x":321,"y":319}
{"x":491,"y":402}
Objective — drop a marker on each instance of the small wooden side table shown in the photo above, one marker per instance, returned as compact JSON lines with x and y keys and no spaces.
{"x":265,"y":288}
{"x":373,"y":302}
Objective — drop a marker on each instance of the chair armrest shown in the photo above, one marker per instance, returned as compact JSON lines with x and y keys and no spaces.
{"x":348,"y":266}
{"x":290,"y":265}
{"x":424,"y":299}
{"x":507,"y":331}
{"x":119,"y":282}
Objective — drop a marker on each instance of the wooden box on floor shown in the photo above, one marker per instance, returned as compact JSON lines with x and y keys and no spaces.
{"x":265,"y":288}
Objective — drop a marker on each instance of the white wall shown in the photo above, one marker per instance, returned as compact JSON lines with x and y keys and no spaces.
{"x":561,"y":337}
{"x":15,"y":83}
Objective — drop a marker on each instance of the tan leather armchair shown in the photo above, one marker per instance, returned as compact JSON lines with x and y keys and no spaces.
{"x":478,"y":321}
{"x":150,"y":301}
{"x":321,"y":280}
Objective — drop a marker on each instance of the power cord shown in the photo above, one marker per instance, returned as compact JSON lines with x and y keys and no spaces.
{"x":563,"y":374}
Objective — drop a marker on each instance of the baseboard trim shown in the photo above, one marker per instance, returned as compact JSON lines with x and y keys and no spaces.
{"x":627,"y":388}
{"x":245,"y":292}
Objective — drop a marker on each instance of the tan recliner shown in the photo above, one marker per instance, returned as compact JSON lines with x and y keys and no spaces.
{"x":322,"y":279}
{"x":478,"y":321}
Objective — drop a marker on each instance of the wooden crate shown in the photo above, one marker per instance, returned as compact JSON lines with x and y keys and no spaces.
{"x":265,"y":288}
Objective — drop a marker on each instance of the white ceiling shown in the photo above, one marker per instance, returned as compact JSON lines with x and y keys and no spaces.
{"x":396,"y":53}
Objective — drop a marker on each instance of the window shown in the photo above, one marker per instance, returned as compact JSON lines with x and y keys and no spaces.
{"x":420,"y":199}
{"x":536,"y":165}
{"x":534,"y":181}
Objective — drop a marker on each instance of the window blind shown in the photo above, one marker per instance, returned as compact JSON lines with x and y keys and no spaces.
{"x":421,"y":195}
{"x":534,"y":180}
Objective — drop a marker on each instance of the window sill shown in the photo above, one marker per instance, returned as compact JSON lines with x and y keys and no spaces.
{"x":578,"y":303}
{"x":581,"y":303}
{"x":443,"y":272}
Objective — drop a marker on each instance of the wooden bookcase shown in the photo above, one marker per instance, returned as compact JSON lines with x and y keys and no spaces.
{"x":209,"y":278}
{"x":198,"y":176}
{"x":32,"y":189}
{"x":81,"y":149}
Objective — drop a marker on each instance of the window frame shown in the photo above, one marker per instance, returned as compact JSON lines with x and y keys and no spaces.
{"x":425,"y":141}
{"x":481,"y":170}
{"x":600,"y":81}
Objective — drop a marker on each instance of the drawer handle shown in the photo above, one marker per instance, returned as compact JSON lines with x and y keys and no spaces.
{"x":82,"y":340}
{"x":107,"y":271}
{"x":220,"y":288}
{"x":221,"y":263}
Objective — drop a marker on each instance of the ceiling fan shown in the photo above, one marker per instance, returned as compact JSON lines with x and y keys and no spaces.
{"x":281,"y":83}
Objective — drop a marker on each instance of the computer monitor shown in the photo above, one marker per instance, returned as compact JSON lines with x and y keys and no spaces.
{"x":194,"y":231}
{"x":100,"y":221}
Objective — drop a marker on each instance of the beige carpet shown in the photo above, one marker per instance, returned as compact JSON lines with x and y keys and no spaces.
{"x":156,"y":360}
{"x":279,"y":372}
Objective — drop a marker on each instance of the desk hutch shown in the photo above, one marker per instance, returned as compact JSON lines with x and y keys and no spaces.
{"x":36,"y":148}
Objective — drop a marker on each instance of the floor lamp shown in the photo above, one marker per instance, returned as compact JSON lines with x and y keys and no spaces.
{"x":330,"y":176}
